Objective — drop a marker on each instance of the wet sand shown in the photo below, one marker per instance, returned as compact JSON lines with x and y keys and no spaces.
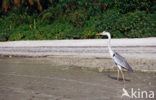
{"x":45,"y":79}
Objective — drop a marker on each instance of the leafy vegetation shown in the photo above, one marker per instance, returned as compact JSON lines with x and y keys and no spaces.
{"x":76,"y":19}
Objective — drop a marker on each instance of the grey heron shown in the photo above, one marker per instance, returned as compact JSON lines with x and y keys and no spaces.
{"x":117,"y":59}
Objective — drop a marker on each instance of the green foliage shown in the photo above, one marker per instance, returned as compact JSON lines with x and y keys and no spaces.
{"x":132,"y":24}
{"x":75,"y":19}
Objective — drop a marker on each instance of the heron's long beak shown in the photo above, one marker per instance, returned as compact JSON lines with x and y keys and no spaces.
{"x":99,"y":34}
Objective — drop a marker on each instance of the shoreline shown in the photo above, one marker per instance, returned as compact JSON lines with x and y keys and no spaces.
{"x":140,"y":53}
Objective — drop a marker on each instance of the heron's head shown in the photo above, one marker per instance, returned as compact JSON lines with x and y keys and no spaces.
{"x":103,"y":33}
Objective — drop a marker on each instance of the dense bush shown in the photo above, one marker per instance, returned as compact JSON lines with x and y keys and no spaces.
{"x":75,"y":19}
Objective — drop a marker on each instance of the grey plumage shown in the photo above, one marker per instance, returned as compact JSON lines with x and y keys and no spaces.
{"x":119,"y":60}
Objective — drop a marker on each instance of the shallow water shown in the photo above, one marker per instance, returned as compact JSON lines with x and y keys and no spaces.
{"x":41,"y":79}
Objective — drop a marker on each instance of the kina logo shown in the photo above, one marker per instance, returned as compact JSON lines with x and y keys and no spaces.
{"x":137,"y":93}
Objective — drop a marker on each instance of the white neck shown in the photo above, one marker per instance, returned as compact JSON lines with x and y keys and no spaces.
{"x":109,"y":47}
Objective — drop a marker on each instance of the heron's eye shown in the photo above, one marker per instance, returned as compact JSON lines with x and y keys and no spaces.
{"x":113,"y":54}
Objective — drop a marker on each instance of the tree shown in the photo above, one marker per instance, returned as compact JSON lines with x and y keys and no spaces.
{"x":6,"y":4}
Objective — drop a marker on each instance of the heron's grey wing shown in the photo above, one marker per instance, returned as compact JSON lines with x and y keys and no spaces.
{"x":119,"y":60}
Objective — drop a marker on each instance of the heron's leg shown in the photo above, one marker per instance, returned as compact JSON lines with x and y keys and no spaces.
{"x":117,"y":77}
{"x":123,"y":77}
